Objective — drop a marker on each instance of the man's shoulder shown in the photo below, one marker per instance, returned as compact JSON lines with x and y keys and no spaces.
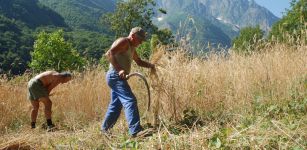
{"x":121,"y":42}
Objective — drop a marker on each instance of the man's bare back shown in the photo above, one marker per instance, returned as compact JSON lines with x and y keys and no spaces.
{"x":50,"y":79}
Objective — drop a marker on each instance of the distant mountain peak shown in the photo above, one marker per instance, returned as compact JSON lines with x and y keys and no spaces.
{"x":215,"y":18}
{"x":241,"y":12}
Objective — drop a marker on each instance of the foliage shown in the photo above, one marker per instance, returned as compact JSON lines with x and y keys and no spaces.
{"x":154,"y":41}
{"x":91,"y":45}
{"x":104,"y":62}
{"x":293,"y":23}
{"x":82,"y":14}
{"x":16,"y":32}
{"x":15,"y":43}
{"x":22,"y":9}
{"x":248,"y":38}
{"x":51,"y":51}
{"x":129,"y":14}
{"x":191,"y":118}
{"x":165,"y":36}
{"x":144,"y":50}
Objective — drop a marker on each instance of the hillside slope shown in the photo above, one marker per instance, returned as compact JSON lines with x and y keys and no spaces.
{"x":219,"y":20}
{"x":241,"y":13}
{"x":31,"y":12}
{"x":82,"y":14}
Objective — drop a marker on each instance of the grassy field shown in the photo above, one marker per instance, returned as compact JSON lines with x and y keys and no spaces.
{"x":257,"y":101}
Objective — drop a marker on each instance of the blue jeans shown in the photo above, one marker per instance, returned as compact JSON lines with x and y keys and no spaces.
{"x":121,"y":95}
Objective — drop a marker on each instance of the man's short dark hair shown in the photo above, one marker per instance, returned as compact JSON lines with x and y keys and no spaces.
{"x":65,"y":74}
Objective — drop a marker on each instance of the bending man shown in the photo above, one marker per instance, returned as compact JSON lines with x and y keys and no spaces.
{"x":39,"y":90}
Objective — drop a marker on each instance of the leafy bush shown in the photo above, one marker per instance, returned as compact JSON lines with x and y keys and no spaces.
{"x":293,"y":23}
{"x":247,"y":40}
{"x":51,"y":51}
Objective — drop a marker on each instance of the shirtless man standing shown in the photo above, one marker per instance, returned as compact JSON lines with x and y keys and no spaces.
{"x":39,"y":91}
{"x":121,"y":54}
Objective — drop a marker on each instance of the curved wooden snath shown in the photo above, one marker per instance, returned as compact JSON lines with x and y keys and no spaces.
{"x":147,"y":86}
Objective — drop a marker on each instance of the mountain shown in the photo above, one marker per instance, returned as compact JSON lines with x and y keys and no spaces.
{"x":18,"y":19}
{"x":187,"y":19}
{"x":241,"y":13}
{"x":82,"y":14}
{"x":212,"y":21}
{"x":15,"y":44}
{"x":195,"y":22}
{"x":201,"y":21}
{"x":31,"y":12}
{"x":21,"y":20}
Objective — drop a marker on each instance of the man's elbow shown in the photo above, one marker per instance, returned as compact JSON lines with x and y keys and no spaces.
{"x":139,"y":62}
{"x":108,"y":56}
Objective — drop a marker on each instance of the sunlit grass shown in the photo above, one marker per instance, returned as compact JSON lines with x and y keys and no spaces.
{"x":233,"y":101}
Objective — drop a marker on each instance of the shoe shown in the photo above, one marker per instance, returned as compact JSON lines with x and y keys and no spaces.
{"x":51,"y":128}
{"x":143,"y":133}
{"x":33,"y":125}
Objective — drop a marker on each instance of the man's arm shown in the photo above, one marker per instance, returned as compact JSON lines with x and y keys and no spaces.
{"x":52,"y":86}
{"x":141,"y":62}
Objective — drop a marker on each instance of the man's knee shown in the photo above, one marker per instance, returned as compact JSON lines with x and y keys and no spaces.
{"x":35,"y":108}
{"x":130,"y":103}
{"x":48,"y":105}
{"x":47,"y":102}
{"x":35,"y":105}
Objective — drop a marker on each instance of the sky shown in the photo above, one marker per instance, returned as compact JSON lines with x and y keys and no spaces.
{"x":275,"y":6}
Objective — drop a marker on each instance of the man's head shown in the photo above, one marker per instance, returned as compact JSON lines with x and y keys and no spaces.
{"x":139,"y":33}
{"x":66,"y":76}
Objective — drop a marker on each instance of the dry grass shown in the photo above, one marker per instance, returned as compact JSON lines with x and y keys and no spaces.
{"x":224,"y":91}
{"x":229,"y":82}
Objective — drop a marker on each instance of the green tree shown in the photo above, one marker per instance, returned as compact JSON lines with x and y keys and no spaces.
{"x":248,"y":39}
{"x":15,"y":44}
{"x":165,"y":36}
{"x":51,"y":51}
{"x":90,"y":45}
{"x":132,"y":13}
{"x":144,"y":51}
{"x":293,"y":23}
{"x":129,"y":14}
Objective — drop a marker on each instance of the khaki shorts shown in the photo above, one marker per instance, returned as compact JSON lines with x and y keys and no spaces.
{"x":36,"y":90}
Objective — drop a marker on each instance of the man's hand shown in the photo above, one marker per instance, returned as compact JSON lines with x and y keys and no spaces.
{"x":153,"y":69}
{"x":152,"y":66}
{"x":122,"y":74}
